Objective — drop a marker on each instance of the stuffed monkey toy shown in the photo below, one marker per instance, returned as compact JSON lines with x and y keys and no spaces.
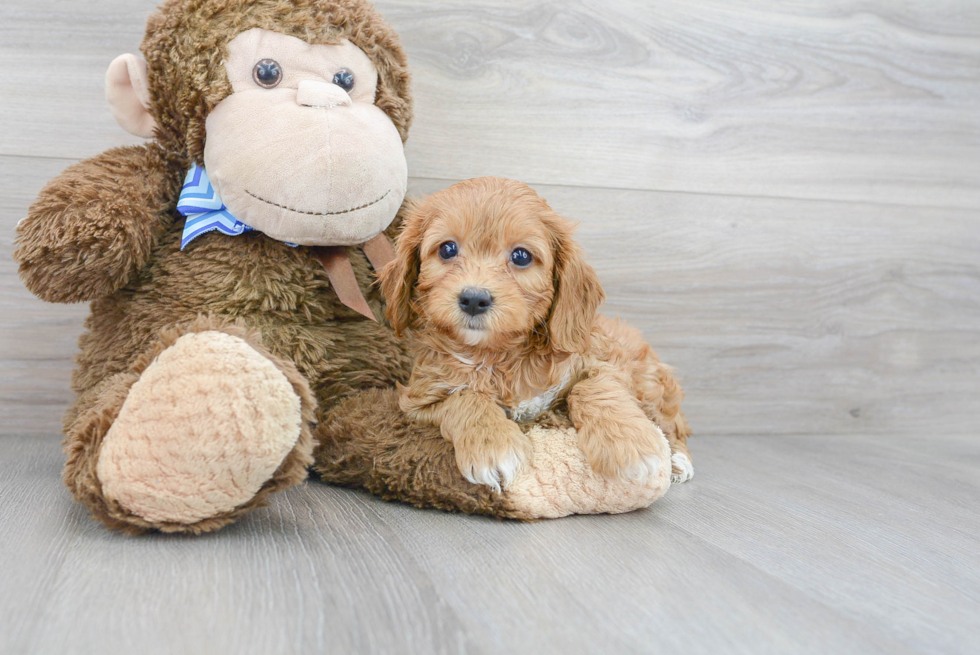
{"x":236,"y":339}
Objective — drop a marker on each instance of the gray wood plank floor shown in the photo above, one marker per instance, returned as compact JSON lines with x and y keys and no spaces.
{"x":784,"y":197}
{"x":780,"y":545}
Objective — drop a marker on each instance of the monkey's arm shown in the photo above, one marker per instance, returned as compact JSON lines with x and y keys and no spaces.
{"x":93,"y":227}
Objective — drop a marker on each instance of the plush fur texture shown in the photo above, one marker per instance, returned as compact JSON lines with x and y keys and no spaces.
{"x":106,"y":231}
{"x":366,"y":442}
{"x":540,"y":336}
{"x":94,"y":413}
{"x":207,"y":405}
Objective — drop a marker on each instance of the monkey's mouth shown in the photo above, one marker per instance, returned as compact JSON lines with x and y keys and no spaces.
{"x":300,"y":211}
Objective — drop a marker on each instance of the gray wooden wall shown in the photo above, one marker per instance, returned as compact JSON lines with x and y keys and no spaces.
{"x":785,"y":197}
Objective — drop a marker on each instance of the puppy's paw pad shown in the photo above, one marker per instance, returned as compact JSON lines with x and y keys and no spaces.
{"x":682,"y":470}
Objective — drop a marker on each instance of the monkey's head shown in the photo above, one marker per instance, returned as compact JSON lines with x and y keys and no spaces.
{"x":297,"y":109}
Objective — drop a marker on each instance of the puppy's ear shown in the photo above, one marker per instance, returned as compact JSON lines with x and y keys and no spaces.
{"x":578,"y":293}
{"x":398,"y":277}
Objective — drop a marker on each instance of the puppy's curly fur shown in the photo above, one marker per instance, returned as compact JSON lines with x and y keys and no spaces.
{"x":537,"y":338}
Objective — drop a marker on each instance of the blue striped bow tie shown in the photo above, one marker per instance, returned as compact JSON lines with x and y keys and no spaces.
{"x":205,"y":212}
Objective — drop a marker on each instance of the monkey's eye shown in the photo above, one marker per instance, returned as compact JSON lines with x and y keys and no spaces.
{"x":344,"y":79}
{"x":267,"y":73}
{"x":448,"y":250}
{"x":521,"y":258}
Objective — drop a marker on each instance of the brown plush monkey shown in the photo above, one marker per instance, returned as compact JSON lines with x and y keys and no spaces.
{"x":229,"y":342}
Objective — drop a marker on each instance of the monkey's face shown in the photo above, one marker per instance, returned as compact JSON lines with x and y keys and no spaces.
{"x":299,"y":151}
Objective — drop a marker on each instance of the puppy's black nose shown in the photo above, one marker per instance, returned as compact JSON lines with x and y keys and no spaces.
{"x":475,"y":301}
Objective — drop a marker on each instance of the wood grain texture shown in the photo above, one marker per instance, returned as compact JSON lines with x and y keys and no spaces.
{"x":844,"y":544}
{"x":845,"y":100}
{"x":850,"y":100}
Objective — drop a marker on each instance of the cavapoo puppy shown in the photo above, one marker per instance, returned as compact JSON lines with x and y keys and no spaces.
{"x":503,"y":311}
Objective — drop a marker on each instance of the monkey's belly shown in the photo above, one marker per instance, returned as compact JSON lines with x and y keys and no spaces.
{"x":301,"y":320}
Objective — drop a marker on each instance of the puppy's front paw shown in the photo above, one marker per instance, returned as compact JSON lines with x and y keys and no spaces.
{"x":490,"y":457}
{"x":632,"y":450}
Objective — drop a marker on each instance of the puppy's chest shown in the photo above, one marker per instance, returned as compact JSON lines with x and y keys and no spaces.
{"x":522,"y":400}
{"x":529,"y":409}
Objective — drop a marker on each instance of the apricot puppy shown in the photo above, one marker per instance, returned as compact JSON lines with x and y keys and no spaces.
{"x":502,"y":308}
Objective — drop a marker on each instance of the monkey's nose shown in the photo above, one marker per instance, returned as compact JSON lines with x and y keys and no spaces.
{"x":475,"y":301}
{"x":324,"y":95}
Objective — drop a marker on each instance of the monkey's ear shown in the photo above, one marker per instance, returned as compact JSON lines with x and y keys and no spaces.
{"x":398,"y":277}
{"x":128,"y":94}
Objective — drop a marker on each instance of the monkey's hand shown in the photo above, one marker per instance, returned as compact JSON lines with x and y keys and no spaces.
{"x":94,"y":226}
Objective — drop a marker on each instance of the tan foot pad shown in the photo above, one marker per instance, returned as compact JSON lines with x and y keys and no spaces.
{"x":560,"y":482}
{"x":205,"y":426}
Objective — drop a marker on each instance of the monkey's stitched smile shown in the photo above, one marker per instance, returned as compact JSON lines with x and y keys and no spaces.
{"x":300,"y":211}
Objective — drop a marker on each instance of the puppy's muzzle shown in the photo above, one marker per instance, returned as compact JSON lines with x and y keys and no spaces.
{"x":475,"y":301}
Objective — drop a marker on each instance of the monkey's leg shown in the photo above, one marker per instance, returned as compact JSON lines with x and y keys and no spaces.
{"x":203,"y":428}
{"x":366,"y":441}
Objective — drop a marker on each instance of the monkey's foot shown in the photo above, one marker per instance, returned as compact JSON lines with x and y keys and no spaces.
{"x":203,"y":430}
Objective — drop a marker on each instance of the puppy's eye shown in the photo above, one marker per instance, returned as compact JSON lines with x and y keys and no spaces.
{"x":521,"y":258}
{"x":447,"y":250}
{"x":267,"y":73}
{"x":344,"y":79}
